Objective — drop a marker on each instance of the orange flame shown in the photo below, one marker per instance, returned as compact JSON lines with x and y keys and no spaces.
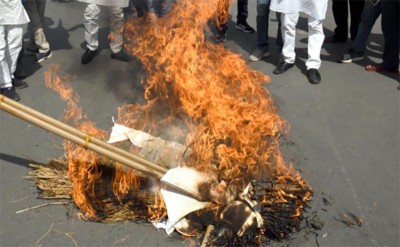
{"x":224,"y":112}
{"x":232,"y":120}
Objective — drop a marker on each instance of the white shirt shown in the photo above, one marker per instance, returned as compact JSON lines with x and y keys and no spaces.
{"x":313,"y":8}
{"x":12,"y":13}
{"x":114,"y":3}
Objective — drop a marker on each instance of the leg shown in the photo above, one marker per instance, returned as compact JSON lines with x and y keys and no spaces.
{"x":10,"y":46}
{"x":356,"y":9}
{"x":262,"y":24}
{"x":141,"y":7}
{"x":116,"y":29}
{"x":391,"y":34}
{"x":241,"y":20}
{"x":279,"y":39}
{"x":262,"y":31}
{"x":315,"y":40}
{"x":368,"y":19}
{"x":5,"y":71}
{"x":91,"y":24}
{"x":288,"y":28}
{"x":242,"y":11}
{"x":340,"y":14}
{"x":14,"y":41}
{"x":116,"y":33}
{"x":222,"y":15}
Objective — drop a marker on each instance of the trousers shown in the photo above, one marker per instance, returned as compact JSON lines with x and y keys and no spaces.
{"x":35,"y":10}
{"x":10,"y":46}
{"x":91,"y":23}
{"x":315,"y":39}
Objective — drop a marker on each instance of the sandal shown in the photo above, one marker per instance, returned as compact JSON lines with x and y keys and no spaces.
{"x":377,"y":68}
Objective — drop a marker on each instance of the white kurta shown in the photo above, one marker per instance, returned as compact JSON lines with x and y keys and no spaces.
{"x":12,"y":13}
{"x":314,"y":8}
{"x":114,"y":3}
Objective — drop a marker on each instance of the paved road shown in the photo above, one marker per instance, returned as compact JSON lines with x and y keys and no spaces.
{"x":344,"y":138}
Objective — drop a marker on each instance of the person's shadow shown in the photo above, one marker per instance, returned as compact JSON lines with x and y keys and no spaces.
{"x":58,"y":37}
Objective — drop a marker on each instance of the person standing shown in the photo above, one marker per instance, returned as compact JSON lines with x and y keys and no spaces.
{"x":12,"y":19}
{"x":241,"y":18}
{"x":391,"y":34}
{"x":37,"y":43}
{"x":340,"y":9}
{"x":372,"y":10}
{"x":315,"y":11}
{"x":262,"y":48}
{"x":91,"y":23}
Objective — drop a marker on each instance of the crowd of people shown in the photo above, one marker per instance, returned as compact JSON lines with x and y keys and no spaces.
{"x":15,"y":14}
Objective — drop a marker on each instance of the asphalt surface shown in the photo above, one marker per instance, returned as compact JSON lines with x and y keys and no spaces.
{"x":344,"y":138}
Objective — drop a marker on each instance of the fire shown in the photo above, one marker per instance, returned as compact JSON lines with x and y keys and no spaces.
{"x":220,"y":106}
{"x":232,"y":120}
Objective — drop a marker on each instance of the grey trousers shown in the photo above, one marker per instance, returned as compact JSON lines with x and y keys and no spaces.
{"x":35,"y":10}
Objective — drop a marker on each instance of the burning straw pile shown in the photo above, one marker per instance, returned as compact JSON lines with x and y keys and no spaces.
{"x":205,"y":97}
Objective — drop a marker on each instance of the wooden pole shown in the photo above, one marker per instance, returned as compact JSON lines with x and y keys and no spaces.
{"x":78,"y":137}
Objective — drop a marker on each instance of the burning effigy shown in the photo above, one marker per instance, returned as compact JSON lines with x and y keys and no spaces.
{"x":205,"y":145}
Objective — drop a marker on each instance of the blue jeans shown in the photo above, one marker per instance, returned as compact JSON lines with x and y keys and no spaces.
{"x":263,"y":25}
{"x":368,"y":19}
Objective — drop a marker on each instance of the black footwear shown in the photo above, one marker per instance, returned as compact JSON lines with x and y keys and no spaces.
{"x":258,"y":54}
{"x":282,"y":67}
{"x":9,"y":92}
{"x":19,"y":83}
{"x":313,"y":76}
{"x":122,"y":55}
{"x":32,"y":48}
{"x":221,"y":37}
{"x":352,"y":56}
{"x":244,"y":27}
{"x":40,"y":57}
{"x":88,"y":56}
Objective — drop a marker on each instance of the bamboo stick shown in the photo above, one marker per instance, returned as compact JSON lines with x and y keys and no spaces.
{"x":101,"y":147}
{"x":79,"y":133}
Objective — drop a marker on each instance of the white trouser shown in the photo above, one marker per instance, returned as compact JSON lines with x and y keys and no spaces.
{"x":315,"y":39}
{"x":92,"y":13}
{"x":10,"y":46}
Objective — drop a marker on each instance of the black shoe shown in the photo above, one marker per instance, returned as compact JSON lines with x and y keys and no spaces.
{"x":32,"y":48}
{"x":313,"y":76}
{"x":122,"y":55}
{"x":282,"y":67}
{"x":19,"y":83}
{"x":88,"y":56}
{"x":9,"y":92}
{"x":221,"y":37}
{"x":40,"y":57}
{"x":244,"y":27}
